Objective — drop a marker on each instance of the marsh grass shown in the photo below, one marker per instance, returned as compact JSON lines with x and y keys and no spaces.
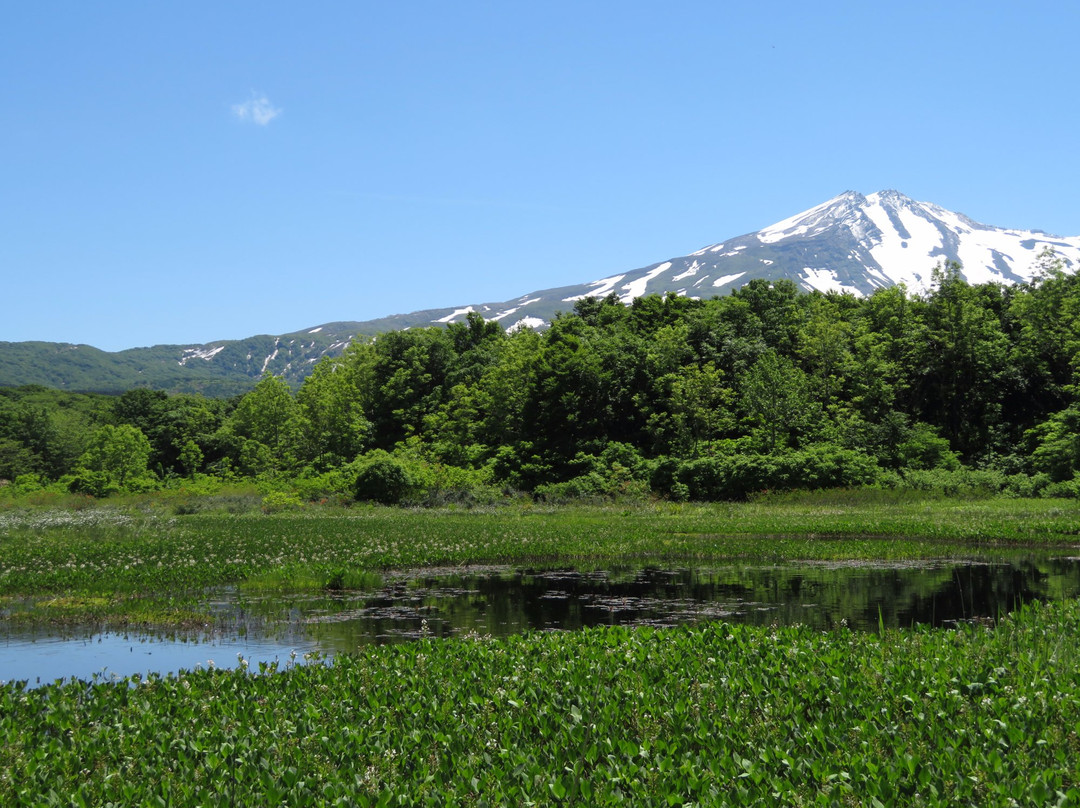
{"x":114,"y":611}
{"x":144,"y":558}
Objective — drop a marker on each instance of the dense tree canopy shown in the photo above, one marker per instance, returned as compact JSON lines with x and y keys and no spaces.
{"x":768,"y":387}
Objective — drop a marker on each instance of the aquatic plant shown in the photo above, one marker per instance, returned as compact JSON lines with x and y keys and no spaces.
{"x":715,"y":714}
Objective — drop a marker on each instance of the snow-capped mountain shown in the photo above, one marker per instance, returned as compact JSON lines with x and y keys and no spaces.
{"x":851,"y":243}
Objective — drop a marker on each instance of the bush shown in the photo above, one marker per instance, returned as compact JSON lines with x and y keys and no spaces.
{"x":962,"y":482}
{"x":739,"y":476}
{"x":825,"y":465}
{"x":925,"y":449}
{"x":519,"y":467}
{"x":382,"y":478}
{"x":95,"y":483}
{"x":594,"y":487}
{"x":1065,"y":489}
{"x":277,"y":501}
{"x":619,"y":473}
{"x":1026,"y":485}
{"x":451,"y":485}
{"x":23,"y":484}
{"x":337,"y":485}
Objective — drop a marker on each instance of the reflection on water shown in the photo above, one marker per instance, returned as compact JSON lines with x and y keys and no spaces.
{"x":41,"y":659}
{"x":502,"y":600}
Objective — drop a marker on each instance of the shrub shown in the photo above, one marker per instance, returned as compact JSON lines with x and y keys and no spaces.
{"x":825,"y":465}
{"x":337,"y":485}
{"x":595,"y":487}
{"x":961,"y":482}
{"x":1066,"y":489}
{"x":277,"y":501}
{"x":451,"y":485}
{"x":619,"y":473}
{"x":24,"y":484}
{"x":382,"y":478}
{"x":739,"y":476}
{"x":95,"y":483}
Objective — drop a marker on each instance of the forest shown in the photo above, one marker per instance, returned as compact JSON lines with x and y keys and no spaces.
{"x":966,"y":388}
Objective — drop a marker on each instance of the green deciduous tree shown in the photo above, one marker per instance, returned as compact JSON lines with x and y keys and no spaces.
{"x":696,"y":408}
{"x":773,"y":394}
{"x":115,"y":457}
{"x":962,"y":372}
{"x":332,"y":426}
{"x":267,"y":416}
{"x":824,"y":345}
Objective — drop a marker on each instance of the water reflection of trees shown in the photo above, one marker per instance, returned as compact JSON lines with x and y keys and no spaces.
{"x":820,"y":595}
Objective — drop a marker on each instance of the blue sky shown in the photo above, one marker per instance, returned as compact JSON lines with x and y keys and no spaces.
{"x":185,"y":172}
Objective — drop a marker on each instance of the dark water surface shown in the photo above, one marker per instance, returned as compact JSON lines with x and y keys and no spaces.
{"x":400,"y":606}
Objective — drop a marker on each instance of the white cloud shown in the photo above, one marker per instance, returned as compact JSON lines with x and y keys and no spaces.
{"x":257,"y":110}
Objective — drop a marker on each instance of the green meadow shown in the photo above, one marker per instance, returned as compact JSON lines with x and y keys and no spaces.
{"x":151,"y":547}
{"x":713,"y":714}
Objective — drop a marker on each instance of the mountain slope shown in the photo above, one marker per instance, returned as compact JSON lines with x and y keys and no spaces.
{"x":851,"y":243}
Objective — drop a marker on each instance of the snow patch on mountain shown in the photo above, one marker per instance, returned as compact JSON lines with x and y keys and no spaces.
{"x":528,"y":322}
{"x":600,"y":288}
{"x":636,"y":288}
{"x":724,"y":280}
{"x":825,"y":280}
{"x":712,"y":248}
{"x":454,"y":314}
{"x":271,"y":357}
{"x":902,"y":239}
{"x":690,"y":271}
{"x":203,"y":353}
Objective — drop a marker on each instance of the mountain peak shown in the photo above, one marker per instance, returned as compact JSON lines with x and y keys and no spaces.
{"x":889,"y":195}
{"x":814,"y":221}
{"x":851,"y":243}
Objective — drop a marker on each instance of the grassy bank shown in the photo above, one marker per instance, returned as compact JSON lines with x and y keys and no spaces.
{"x":710,"y":715}
{"x":145,"y":563}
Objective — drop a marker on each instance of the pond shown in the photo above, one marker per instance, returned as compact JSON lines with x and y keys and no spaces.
{"x":400,"y":606}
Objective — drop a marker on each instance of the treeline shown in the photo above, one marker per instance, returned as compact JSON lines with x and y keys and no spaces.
{"x":768,"y":388}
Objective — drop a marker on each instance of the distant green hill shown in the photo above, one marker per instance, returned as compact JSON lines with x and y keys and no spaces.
{"x":220,"y":369}
{"x":223,"y":368}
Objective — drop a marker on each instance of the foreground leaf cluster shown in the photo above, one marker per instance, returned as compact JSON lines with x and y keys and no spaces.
{"x":709,"y":715}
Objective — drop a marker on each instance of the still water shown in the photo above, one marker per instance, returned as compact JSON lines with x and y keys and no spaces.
{"x":497,"y":601}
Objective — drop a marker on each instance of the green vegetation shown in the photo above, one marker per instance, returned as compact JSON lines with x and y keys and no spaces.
{"x":821,"y":427}
{"x":711,"y":715}
{"x":236,"y":366}
{"x":714,"y":714}
{"x":966,"y":390}
{"x":152,"y":559}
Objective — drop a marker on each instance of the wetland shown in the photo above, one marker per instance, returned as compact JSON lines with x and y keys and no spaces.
{"x":497,"y":601}
{"x":807,"y":651}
